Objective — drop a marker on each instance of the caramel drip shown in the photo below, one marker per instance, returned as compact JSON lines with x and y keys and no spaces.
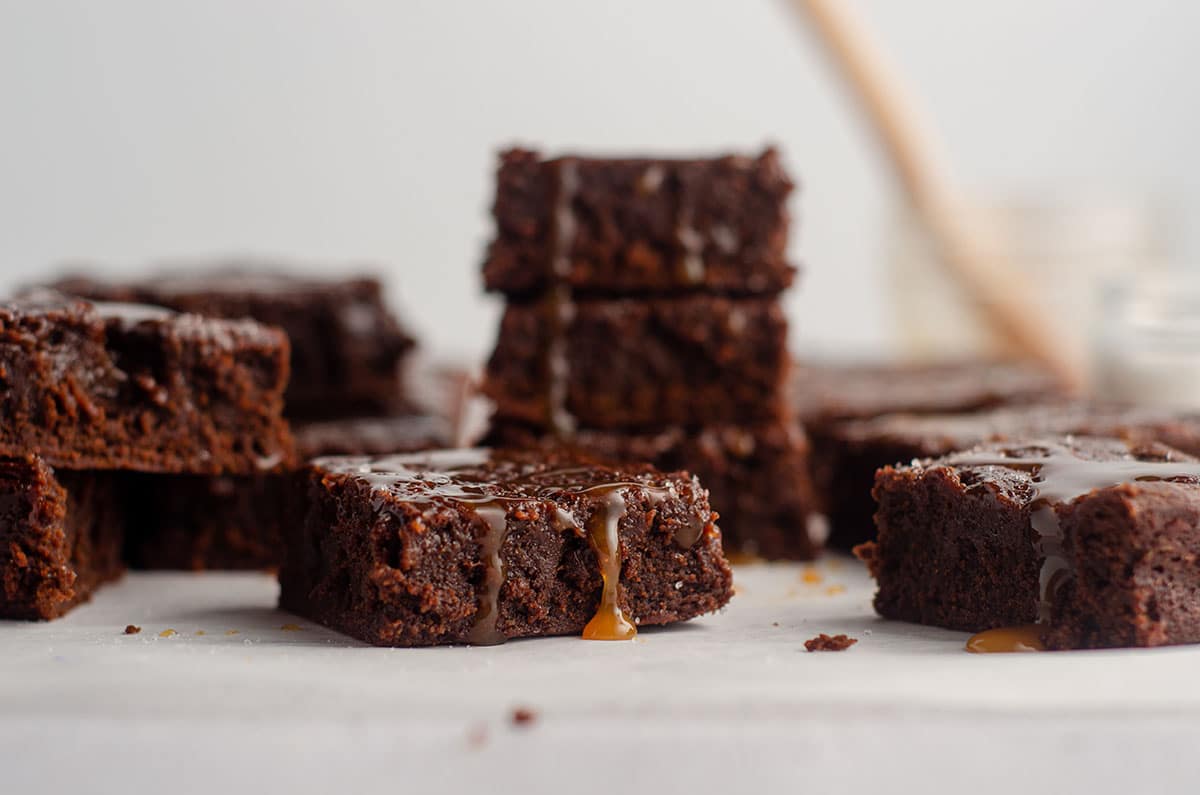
{"x":486,"y":632}
{"x":1058,"y":478}
{"x":610,"y":621}
{"x":1007,"y":639}
{"x":559,"y":303}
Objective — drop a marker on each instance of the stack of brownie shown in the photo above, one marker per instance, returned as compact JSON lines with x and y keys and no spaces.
{"x":643,"y":323}
{"x":346,"y":396}
{"x":90,"y":393}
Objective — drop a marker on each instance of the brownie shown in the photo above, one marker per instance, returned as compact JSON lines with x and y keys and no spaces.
{"x":347,"y":346}
{"x":479,"y":546}
{"x":202,"y":522}
{"x":757,"y":476}
{"x":60,"y":537}
{"x":639,"y":225}
{"x":823,"y":393}
{"x":852,"y":451}
{"x":1093,"y":539}
{"x":630,"y":363}
{"x":116,"y":386}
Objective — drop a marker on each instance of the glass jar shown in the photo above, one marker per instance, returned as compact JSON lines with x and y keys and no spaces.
{"x":1147,"y":340}
{"x":1061,"y":251}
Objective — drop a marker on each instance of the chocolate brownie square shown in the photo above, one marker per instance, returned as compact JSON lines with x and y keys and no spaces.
{"x":479,"y":546}
{"x":347,"y":347}
{"x":115,"y":386}
{"x":60,"y":537}
{"x":757,"y":476}
{"x":200,"y":522}
{"x":626,"y":363}
{"x":852,"y":451}
{"x":1095,"y":540}
{"x":639,"y":225}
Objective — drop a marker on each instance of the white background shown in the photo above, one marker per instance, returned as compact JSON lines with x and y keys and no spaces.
{"x":335,"y":131}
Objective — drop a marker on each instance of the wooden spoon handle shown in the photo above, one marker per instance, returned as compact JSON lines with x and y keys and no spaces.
{"x":996,"y":287}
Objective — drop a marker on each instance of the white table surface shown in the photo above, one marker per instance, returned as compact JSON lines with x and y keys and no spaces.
{"x":728,"y":702}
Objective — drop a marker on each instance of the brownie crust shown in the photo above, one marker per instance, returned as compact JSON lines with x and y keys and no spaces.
{"x":637,"y":225}
{"x":478,"y":547}
{"x":641,"y":363}
{"x":114,"y":386}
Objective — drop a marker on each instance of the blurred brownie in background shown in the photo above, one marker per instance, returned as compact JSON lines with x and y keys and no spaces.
{"x":642,"y":362}
{"x":826,"y":392}
{"x":120,"y":386}
{"x":854,"y":450}
{"x":183,"y":522}
{"x":96,"y":395}
{"x":347,"y":347}
{"x":626,"y":226}
{"x":825,"y":396}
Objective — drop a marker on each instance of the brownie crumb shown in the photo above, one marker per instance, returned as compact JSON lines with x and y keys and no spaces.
{"x":825,"y":642}
{"x":131,"y":629}
{"x":523,"y":716}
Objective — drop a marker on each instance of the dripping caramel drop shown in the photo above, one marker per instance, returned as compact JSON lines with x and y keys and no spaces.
{"x":610,"y":622}
{"x":1007,"y":640}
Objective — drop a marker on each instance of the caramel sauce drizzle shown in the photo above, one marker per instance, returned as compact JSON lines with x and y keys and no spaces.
{"x":610,"y":621}
{"x":1059,"y":477}
{"x":485,"y":631}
